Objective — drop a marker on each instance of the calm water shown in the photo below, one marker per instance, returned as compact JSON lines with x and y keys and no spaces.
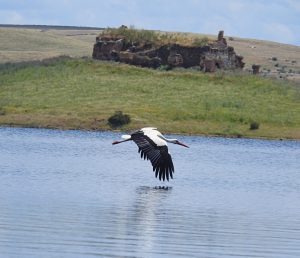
{"x":73,"y":194}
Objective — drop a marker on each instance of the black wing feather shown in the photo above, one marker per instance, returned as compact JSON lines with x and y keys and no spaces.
{"x":159,"y":156}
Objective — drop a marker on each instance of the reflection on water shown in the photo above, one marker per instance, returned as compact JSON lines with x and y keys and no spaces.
{"x":72,"y":194}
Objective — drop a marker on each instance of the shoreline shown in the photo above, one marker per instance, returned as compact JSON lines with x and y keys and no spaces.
{"x":163,"y":132}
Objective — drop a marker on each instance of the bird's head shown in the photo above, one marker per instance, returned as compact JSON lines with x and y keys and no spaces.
{"x":175,"y":141}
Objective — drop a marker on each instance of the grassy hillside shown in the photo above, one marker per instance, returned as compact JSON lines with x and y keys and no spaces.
{"x":83,"y":94}
{"x":23,"y":44}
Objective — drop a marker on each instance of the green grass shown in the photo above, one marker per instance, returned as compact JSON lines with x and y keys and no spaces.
{"x":156,"y":38}
{"x":83,"y":94}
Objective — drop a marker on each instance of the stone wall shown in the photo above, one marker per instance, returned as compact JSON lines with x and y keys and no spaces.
{"x":103,"y":49}
{"x":216,"y":55}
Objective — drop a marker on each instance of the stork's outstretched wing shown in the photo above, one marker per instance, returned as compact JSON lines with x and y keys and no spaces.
{"x":158,"y":155}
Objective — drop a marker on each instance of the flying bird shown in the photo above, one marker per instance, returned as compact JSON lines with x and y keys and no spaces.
{"x":153,"y":146}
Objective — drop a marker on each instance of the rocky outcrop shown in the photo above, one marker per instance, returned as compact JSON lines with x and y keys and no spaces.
{"x":137,"y":59}
{"x":189,"y":56}
{"x":105,"y":48}
{"x":255,"y":69}
{"x":175,"y":59}
{"x":213,"y":56}
{"x":209,"y":65}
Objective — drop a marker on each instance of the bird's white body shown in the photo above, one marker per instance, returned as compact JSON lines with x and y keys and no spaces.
{"x":154,"y":135}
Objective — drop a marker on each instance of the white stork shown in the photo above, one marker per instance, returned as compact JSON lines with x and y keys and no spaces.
{"x":153,"y":146}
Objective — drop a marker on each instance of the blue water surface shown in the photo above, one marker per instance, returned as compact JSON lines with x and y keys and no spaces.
{"x":73,"y":194}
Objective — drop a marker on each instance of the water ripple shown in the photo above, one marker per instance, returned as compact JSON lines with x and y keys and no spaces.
{"x":71,"y":194}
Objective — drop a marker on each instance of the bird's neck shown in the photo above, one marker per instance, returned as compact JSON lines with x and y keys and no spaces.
{"x":167,"y":140}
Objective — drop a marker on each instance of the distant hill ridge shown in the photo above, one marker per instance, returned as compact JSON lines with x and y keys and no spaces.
{"x":57,"y":27}
{"x":38,"y":42}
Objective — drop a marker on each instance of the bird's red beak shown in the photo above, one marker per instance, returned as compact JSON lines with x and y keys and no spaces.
{"x":182,"y":144}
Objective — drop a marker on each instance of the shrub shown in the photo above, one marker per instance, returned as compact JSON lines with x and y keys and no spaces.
{"x":164,"y":68}
{"x":131,"y":34}
{"x":118,"y":119}
{"x":200,"y":42}
{"x":274,"y":58}
{"x":2,"y":112}
{"x":254,"y":125}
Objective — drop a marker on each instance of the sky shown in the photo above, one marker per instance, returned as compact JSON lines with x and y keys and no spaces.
{"x":274,"y":20}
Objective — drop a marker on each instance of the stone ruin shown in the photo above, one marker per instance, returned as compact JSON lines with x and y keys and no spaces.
{"x":213,"y":56}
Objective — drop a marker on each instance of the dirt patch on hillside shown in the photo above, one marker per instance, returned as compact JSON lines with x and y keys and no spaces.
{"x":276,"y":60}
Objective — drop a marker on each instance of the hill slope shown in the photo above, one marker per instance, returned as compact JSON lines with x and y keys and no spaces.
{"x":23,"y":43}
{"x":276,"y":59}
{"x":83,"y":94}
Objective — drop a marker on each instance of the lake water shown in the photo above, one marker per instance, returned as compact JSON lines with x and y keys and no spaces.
{"x":73,"y":194}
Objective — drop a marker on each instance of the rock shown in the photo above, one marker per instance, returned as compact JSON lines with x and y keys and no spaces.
{"x":175,"y":60}
{"x":103,"y":48}
{"x":224,"y":58}
{"x":239,"y":61}
{"x":139,"y":60}
{"x":255,"y":69}
{"x":221,"y":38}
{"x":215,"y":55}
{"x":190,"y":55}
{"x":220,"y":35}
{"x":209,"y":66}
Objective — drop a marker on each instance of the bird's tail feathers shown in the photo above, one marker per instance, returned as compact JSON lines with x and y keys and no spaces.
{"x":126,"y":136}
